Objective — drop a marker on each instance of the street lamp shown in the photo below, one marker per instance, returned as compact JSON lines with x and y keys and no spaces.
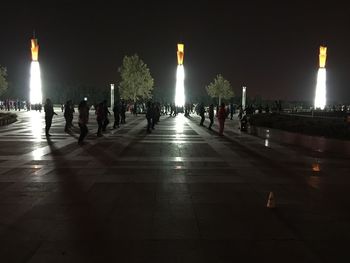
{"x":244,"y":91}
{"x":112,"y":95}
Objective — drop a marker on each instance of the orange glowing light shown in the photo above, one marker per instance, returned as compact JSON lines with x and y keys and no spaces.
{"x":35,"y":49}
{"x":180,"y":54}
{"x":316,"y":167}
{"x":323,"y":56}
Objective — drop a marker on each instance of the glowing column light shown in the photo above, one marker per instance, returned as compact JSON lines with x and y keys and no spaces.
{"x":112,"y":96}
{"x":244,"y":94}
{"x":180,"y":77}
{"x":35,"y":94}
{"x":320,"y":95}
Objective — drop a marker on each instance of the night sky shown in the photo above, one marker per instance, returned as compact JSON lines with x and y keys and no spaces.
{"x":271,"y":47}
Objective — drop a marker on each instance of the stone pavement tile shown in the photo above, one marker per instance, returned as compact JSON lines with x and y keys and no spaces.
{"x":130,"y":178}
{"x":139,"y":193}
{"x":331,"y":250}
{"x":135,"y":251}
{"x":283,"y":251}
{"x":238,"y":199}
{"x":81,"y":251}
{"x":226,"y":251}
{"x":172,"y":194}
{"x":20,"y":187}
{"x":214,"y":179}
{"x":222,"y":221}
{"x":18,"y":173}
{"x":221,"y":187}
{"x":25,"y":229}
{"x":67,"y":194}
{"x":21,"y":197}
{"x":172,"y":188}
{"x":133,"y":170}
{"x":12,"y":212}
{"x":4,"y":185}
{"x":14,"y":251}
{"x":101,"y":193}
{"x":211,"y":171}
{"x":174,"y":198}
{"x":133,"y":228}
{"x":171,"y":250}
{"x":15,"y":148}
{"x":174,"y":221}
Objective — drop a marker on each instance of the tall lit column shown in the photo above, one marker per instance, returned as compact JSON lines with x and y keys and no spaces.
{"x":112,"y":96}
{"x":244,"y":92}
{"x":180,"y":77}
{"x":320,"y":94}
{"x":35,"y":93}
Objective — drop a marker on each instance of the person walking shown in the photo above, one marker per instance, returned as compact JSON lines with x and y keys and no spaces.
{"x":201,"y":113}
{"x":232,"y":110}
{"x":211,"y":115}
{"x":150,"y":116}
{"x":83,"y":109}
{"x":105,"y":115}
{"x":122,"y":112}
{"x":116,"y":111}
{"x":49,"y":112}
{"x":222,"y":117}
{"x":68,"y":115}
{"x":99,"y":118}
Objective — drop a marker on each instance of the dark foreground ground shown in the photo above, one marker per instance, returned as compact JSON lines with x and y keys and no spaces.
{"x":180,"y":194}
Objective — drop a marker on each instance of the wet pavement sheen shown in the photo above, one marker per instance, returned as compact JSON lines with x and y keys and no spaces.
{"x":179,"y":194}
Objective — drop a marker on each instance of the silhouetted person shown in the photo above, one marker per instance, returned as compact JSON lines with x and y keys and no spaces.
{"x":211,"y":115}
{"x":156,"y":114}
{"x":49,"y":112}
{"x":105,"y":115}
{"x":232,"y":110}
{"x":122,"y":112}
{"x":222,"y":117}
{"x":68,"y":115}
{"x":149,"y":116}
{"x":134,"y":110}
{"x":201,"y":111}
{"x":99,"y":118}
{"x":244,"y":123}
{"x":83,"y":109}
{"x":116,"y":111}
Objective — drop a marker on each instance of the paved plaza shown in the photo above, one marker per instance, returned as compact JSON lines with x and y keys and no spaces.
{"x":179,"y":194}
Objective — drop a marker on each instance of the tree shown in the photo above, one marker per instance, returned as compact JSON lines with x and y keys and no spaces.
{"x":136,"y":80}
{"x":220,"y":88}
{"x":3,"y":80}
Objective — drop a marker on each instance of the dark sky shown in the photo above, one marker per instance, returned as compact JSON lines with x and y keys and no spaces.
{"x":271,"y":47}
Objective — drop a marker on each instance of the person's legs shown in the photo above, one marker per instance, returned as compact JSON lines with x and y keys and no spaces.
{"x":211,"y":123}
{"x":83,"y":132}
{"x":221,"y":130}
{"x":202,"y":120}
{"x":105,"y":124}
{"x":149,"y":124}
{"x":48,"y":122}
{"x":99,"y":131}
{"x":66,"y":127}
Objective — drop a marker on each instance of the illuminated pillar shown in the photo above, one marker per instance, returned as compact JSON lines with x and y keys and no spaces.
{"x":112,"y":96}
{"x":320,"y":94}
{"x":180,"y":77}
{"x":244,"y":91}
{"x":35,"y":93}
{"x":180,"y":54}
